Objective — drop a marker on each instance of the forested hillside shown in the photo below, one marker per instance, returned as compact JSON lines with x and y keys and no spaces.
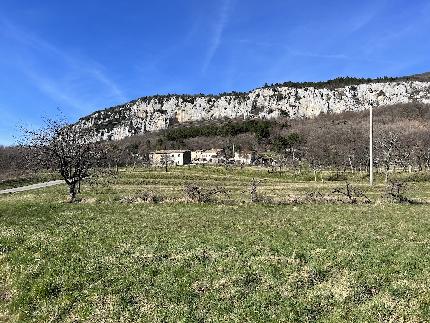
{"x":401,"y":136}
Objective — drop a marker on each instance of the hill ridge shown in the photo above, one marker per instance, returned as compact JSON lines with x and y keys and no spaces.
{"x":295,"y":100}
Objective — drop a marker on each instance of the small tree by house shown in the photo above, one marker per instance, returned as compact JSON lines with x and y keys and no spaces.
{"x":165,"y":161}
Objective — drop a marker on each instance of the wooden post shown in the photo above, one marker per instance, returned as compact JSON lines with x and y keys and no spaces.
{"x":371,"y":145}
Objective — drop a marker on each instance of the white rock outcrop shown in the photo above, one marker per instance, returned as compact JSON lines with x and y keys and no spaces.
{"x":159,"y":112}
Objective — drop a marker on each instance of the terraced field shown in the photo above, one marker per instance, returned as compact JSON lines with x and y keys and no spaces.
{"x":136,"y":248}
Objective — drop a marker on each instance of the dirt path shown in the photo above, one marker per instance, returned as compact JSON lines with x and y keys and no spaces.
{"x":31,"y":187}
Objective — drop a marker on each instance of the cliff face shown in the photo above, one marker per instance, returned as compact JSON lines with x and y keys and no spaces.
{"x":159,"y":112}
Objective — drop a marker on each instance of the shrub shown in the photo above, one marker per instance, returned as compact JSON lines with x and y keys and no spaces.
{"x":353,"y":195}
{"x":395,"y":192}
{"x":142,"y":197}
{"x":253,"y":191}
{"x":337,"y":177}
{"x":197,"y":194}
{"x":417,"y":177}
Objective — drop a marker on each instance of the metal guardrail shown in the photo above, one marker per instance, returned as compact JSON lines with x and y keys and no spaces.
{"x":31,"y":187}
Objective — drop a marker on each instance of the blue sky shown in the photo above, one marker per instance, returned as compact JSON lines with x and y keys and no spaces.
{"x":82,"y":56}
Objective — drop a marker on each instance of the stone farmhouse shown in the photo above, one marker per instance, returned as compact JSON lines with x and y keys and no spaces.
{"x":172,"y":157}
{"x":245,"y":158}
{"x":211,"y":156}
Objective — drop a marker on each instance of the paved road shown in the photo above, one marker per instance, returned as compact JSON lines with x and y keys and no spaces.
{"x":31,"y":187}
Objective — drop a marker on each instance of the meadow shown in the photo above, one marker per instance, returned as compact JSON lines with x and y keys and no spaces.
{"x":136,"y":247}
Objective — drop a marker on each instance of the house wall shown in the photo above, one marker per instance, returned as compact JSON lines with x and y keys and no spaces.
{"x":213,"y":156}
{"x":247,"y":158}
{"x":174,"y":158}
{"x":196,"y":155}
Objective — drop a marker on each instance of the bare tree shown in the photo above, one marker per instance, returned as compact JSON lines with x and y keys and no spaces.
{"x":63,"y":148}
{"x":427,"y":159}
{"x":388,"y":147}
{"x":12,"y":162}
{"x":165,"y":161}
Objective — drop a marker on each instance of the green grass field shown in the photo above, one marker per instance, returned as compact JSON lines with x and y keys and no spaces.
{"x":114,"y":258}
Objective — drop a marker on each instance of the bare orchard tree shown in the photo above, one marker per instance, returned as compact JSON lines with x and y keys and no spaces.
{"x":427,"y":159}
{"x":63,"y":148}
{"x":388,"y":150}
{"x":12,"y":162}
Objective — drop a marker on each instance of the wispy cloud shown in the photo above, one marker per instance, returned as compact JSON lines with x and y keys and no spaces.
{"x":317,"y":55}
{"x":68,"y":87}
{"x":54,"y":90}
{"x":387,"y":38}
{"x":102,"y":78}
{"x":362,"y":21}
{"x":8,"y":133}
{"x":288,"y":50}
{"x":218,"y":33}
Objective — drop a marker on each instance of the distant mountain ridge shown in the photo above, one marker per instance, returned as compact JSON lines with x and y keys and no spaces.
{"x":295,"y":100}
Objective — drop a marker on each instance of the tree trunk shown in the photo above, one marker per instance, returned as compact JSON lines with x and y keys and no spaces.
{"x":72,"y":192}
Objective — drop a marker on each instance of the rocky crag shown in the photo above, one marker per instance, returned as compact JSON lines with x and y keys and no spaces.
{"x":159,"y":112}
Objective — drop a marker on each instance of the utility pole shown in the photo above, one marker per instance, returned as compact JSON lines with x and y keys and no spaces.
{"x":371,"y":145}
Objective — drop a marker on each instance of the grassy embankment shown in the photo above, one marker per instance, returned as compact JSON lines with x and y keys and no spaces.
{"x":108,"y":259}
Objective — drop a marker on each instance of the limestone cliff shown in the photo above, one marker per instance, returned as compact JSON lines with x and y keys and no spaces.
{"x":158,"y":112}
